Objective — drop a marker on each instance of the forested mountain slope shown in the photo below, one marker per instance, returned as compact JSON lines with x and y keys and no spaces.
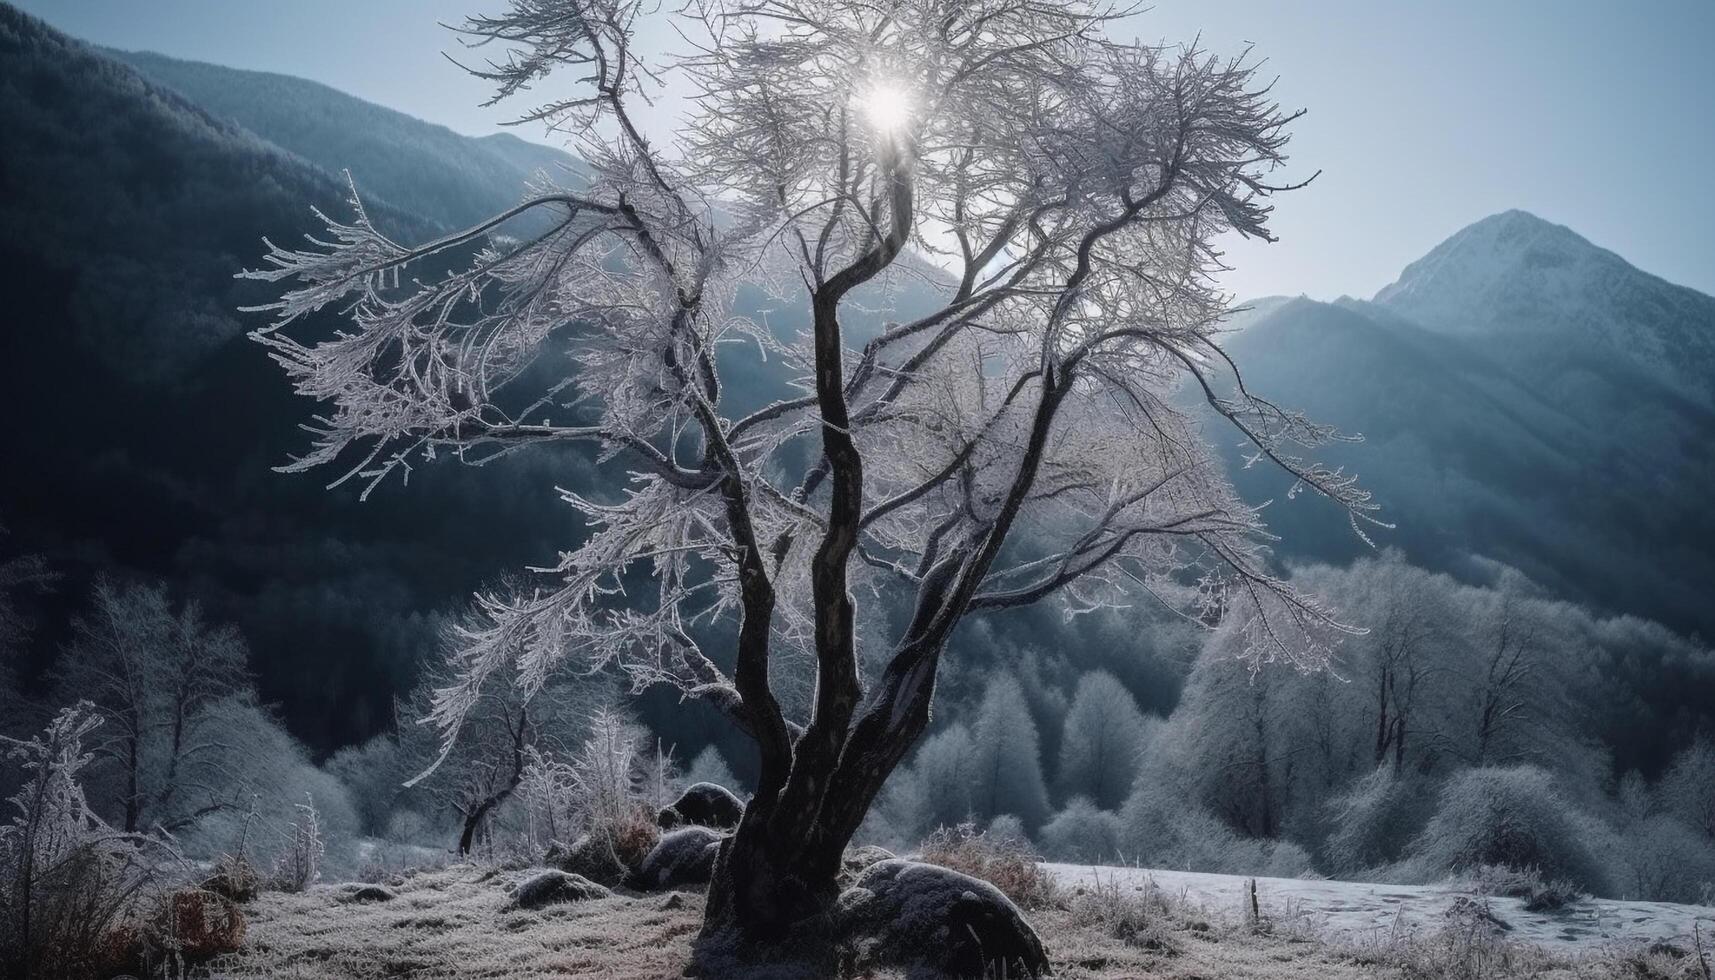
{"x":148,"y":422}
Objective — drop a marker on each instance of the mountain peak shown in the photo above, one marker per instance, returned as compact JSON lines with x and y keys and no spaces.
{"x":1516,"y":276}
{"x":1485,"y":254}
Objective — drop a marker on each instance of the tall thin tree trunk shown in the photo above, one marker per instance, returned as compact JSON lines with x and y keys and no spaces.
{"x":132,"y":790}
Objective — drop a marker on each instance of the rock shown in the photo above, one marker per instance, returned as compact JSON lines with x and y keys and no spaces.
{"x":682,"y":857}
{"x":554,"y":887}
{"x":673,"y":902}
{"x":926,"y":916}
{"x":590,"y":856}
{"x":705,"y":805}
{"x":857,"y":860}
{"x":369,"y":893}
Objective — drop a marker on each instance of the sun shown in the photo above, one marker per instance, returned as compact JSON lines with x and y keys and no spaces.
{"x":888,"y":107}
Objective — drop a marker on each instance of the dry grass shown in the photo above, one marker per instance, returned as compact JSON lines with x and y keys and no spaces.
{"x":1005,"y":863}
{"x":451,"y":923}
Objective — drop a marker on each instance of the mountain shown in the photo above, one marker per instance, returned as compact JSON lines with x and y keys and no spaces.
{"x":426,"y":170}
{"x":1524,"y":396}
{"x":146,"y":424}
{"x":1561,"y":310}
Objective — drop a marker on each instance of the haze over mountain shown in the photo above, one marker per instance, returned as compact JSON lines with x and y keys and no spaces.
{"x":1525,"y":396}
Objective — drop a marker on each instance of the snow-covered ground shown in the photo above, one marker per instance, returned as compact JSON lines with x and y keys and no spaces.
{"x":1358,"y":912}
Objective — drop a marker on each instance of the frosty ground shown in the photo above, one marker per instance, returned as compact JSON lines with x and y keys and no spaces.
{"x":1102,"y":924}
{"x":1359,"y":912}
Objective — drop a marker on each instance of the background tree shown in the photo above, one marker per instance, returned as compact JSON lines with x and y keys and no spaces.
{"x":477,"y":775}
{"x":1688,"y":787}
{"x":20,"y":575}
{"x":155,"y":677}
{"x":1006,"y":757}
{"x":709,"y":766}
{"x":1100,"y":743}
{"x":1016,"y":442}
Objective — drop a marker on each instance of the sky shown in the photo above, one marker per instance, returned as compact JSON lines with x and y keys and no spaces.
{"x":1423,"y":117}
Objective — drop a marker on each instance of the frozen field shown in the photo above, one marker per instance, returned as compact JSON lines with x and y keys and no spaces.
{"x":1359,"y":911}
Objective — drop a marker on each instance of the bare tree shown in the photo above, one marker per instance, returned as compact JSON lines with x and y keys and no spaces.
{"x":1058,"y":190}
{"x":154,"y":675}
{"x":1503,"y":696}
{"x":507,"y":727}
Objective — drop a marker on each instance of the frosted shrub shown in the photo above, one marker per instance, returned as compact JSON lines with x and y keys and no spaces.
{"x":1511,"y":817}
{"x":300,"y":863}
{"x":1002,"y":859}
{"x":67,"y":880}
{"x":605,"y":771}
{"x":1374,"y":820}
{"x":548,"y":796}
{"x":1083,"y":834}
{"x":1288,"y":860}
{"x":661,"y":783}
{"x":1668,"y":861}
{"x":604,"y":793}
{"x":1173,"y":834}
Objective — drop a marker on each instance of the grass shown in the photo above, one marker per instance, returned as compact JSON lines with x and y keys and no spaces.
{"x":452,"y":923}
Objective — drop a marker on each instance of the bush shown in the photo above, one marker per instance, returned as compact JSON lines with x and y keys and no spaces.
{"x":1182,"y":836}
{"x":1374,"y":821}
{"x":1003,"y":860}
{"x":69,"y":884}
{"x":1513,"y":818}
{"x":299,"y":864}
{"x":1287,"y":860}
{"x":1668,"y":861}
{"x":1539,"y":894}
{"x":1082,"y":834}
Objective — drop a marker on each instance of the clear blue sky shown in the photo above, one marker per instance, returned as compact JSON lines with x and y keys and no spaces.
{"x":1423,"y":116}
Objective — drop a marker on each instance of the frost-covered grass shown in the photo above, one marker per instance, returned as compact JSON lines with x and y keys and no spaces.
{"x":452,"y":923}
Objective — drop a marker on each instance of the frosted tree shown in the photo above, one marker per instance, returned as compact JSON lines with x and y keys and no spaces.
{"x":709,"y":766}
{"x":477,"y":776}
{"x":1006,"y":757}
{"x":1687,"y":789}
{"x":19,"y":576}
{"x":156,"y":676}
{"x":944,"y":767}
{"x":1100,"y":742}
{"x":1059,"y":190}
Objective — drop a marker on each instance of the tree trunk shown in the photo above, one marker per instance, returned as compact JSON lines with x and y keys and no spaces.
{"x":776,"y":881}
{"x":771,"y":900}
{"x":472,"y":822}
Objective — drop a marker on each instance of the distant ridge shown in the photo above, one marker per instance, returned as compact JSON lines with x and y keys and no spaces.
{"x":427,"y":169}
